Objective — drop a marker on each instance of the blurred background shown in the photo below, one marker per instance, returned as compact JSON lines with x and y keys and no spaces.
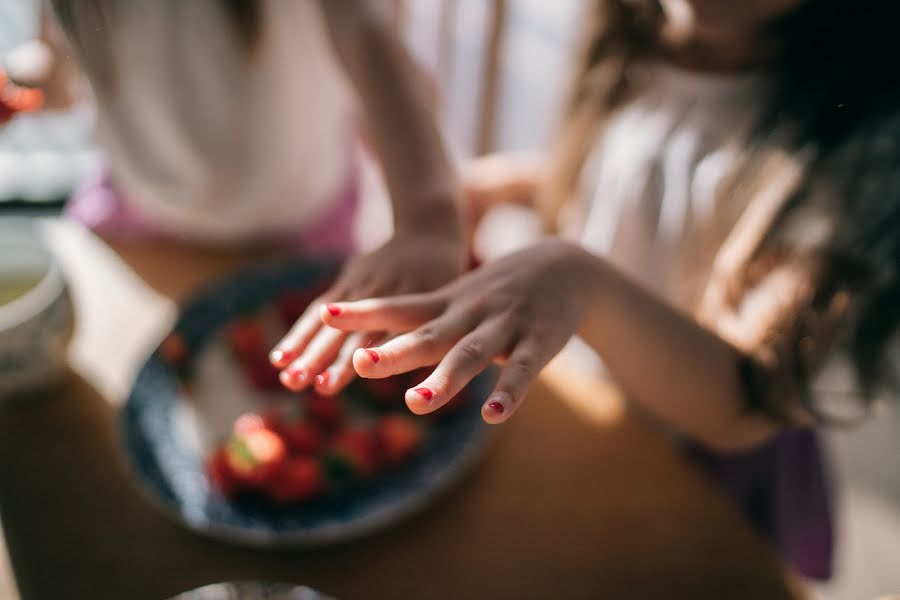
{"x":502,"y":69}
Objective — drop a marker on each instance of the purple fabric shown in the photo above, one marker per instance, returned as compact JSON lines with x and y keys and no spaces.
{"x":783,"y":489}
{"x":100,"y":205}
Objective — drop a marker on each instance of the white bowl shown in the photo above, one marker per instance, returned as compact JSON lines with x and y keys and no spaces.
{"x":35,"y":327}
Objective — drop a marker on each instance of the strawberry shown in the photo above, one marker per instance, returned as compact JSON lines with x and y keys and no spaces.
{"x":291,"y":305}
{"x":260,"y":373}
{"x":353,"y":453}
{"x":400,"y":437}
{"x":174,"y":349}
{"x":327,"y":410}
{"x":255,"y":456}
{"x":247,"y":337}
{"x":248,"y":423}
{"x":389,"y":391}
{"x":302,"y":436}
{"x":16,"y":99}
{"x":299,"y":478}
{"x":220,"y":473}
{"x":22,"y":100}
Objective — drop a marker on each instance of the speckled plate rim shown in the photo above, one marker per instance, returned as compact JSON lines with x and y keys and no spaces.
{"x":372,"y":521}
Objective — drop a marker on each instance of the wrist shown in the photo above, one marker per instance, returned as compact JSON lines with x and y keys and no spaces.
{"x":590,"y":275}
{"x":441,"y":218}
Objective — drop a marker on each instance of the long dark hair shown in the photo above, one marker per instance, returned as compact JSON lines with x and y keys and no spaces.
{"x":88,"y":24}
{"x":834,"y":85}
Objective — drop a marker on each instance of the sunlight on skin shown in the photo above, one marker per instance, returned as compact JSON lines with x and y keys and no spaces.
{"x":596,"y":399}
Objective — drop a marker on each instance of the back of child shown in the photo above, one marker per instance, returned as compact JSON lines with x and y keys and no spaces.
{"x":223,"y":121}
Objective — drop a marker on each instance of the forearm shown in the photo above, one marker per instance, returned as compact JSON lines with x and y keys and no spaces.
{"x":668,"y":364}
{"x":423,"y":185}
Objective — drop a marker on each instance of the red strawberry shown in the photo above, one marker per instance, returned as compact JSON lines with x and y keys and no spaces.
{"x":255,"y":456}
{"x":353,"y":452}
{"x":260,"y":373}
{"x":220,"y":472}
{"x":389,"y":391}
{"x":248,"y":423}
{"x":299,"y":478}
{"x":291,"y":305}
{"x":15,"y":99}
{"x":174,"y":349}
{"x":327,"y":410}
{"x":247,"y":337}
{"x":400,"y":438}
{"x":273,"y":419}
{"x":303,"y":436}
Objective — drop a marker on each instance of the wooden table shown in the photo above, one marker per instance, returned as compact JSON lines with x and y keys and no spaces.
{"x":576,"y":498}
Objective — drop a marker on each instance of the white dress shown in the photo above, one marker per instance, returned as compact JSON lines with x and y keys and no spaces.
{"x":649,"y":190}
{"x":651,"y":195}
{"x":218,"y":145}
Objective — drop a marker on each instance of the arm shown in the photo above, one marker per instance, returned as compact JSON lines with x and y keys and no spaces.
{"x":428,"y":248}
{"x":675,"y":369}
{"x":525,"y":307}
{"x":419,"y":175}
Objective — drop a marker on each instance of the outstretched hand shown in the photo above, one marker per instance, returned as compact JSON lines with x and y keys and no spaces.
{"x":316,"y":354}
{"x":519,"y":311}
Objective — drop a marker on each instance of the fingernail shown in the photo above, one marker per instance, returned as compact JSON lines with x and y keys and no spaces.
{"x":373,"y":355}
{"x":424,"y":392}
{"x":496,"y":407}
{"x":322,"y":378}
{"x":293,"y":378}
{"x":281,"y":358}
{"x":333,"y":309}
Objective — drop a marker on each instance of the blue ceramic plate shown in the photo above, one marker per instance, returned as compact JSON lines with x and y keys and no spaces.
{"x":168,"y":432}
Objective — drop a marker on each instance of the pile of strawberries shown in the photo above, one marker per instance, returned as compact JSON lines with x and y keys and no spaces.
{"x":296,"y":457}
{"x":298,"y":447}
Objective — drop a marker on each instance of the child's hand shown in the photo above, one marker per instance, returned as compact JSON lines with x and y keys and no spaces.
{"x":520,"y":310}
{"x":314,"y":354}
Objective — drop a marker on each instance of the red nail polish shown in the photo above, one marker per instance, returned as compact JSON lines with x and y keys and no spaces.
{"x":373,"y":355}
{"x":333,"y":309}
{"x":296,"y":376}
{"x":322,"y":378}
{"x":497,"y":407}
{"x":424,"y":392}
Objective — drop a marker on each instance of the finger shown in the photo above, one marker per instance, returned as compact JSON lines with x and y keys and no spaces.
{"x":425,"y":346}
{"x":337,"y":376}
{"x":522,"y":367}
{"x":319,"y":353}
{"x":469,"y":357}
{"x":295,"y":341}
{"x":399,"y":313}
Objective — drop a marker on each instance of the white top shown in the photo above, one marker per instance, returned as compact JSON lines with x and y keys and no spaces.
{"x":216,"y":144}
{"x":651,"y":184}
{"x":648,"y":192}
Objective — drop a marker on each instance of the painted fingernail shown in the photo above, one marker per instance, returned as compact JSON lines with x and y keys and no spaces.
{"x":322,"y":378}
{"x":293,"y":378}
{"x":424,"y":392}
{"x":281,"y":358}
{"x":373,"y":355}
{"x":496,"y":407}
{"x":333,"y":309}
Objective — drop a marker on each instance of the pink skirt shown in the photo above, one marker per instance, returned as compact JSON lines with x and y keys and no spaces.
{"x":102,"y":206}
